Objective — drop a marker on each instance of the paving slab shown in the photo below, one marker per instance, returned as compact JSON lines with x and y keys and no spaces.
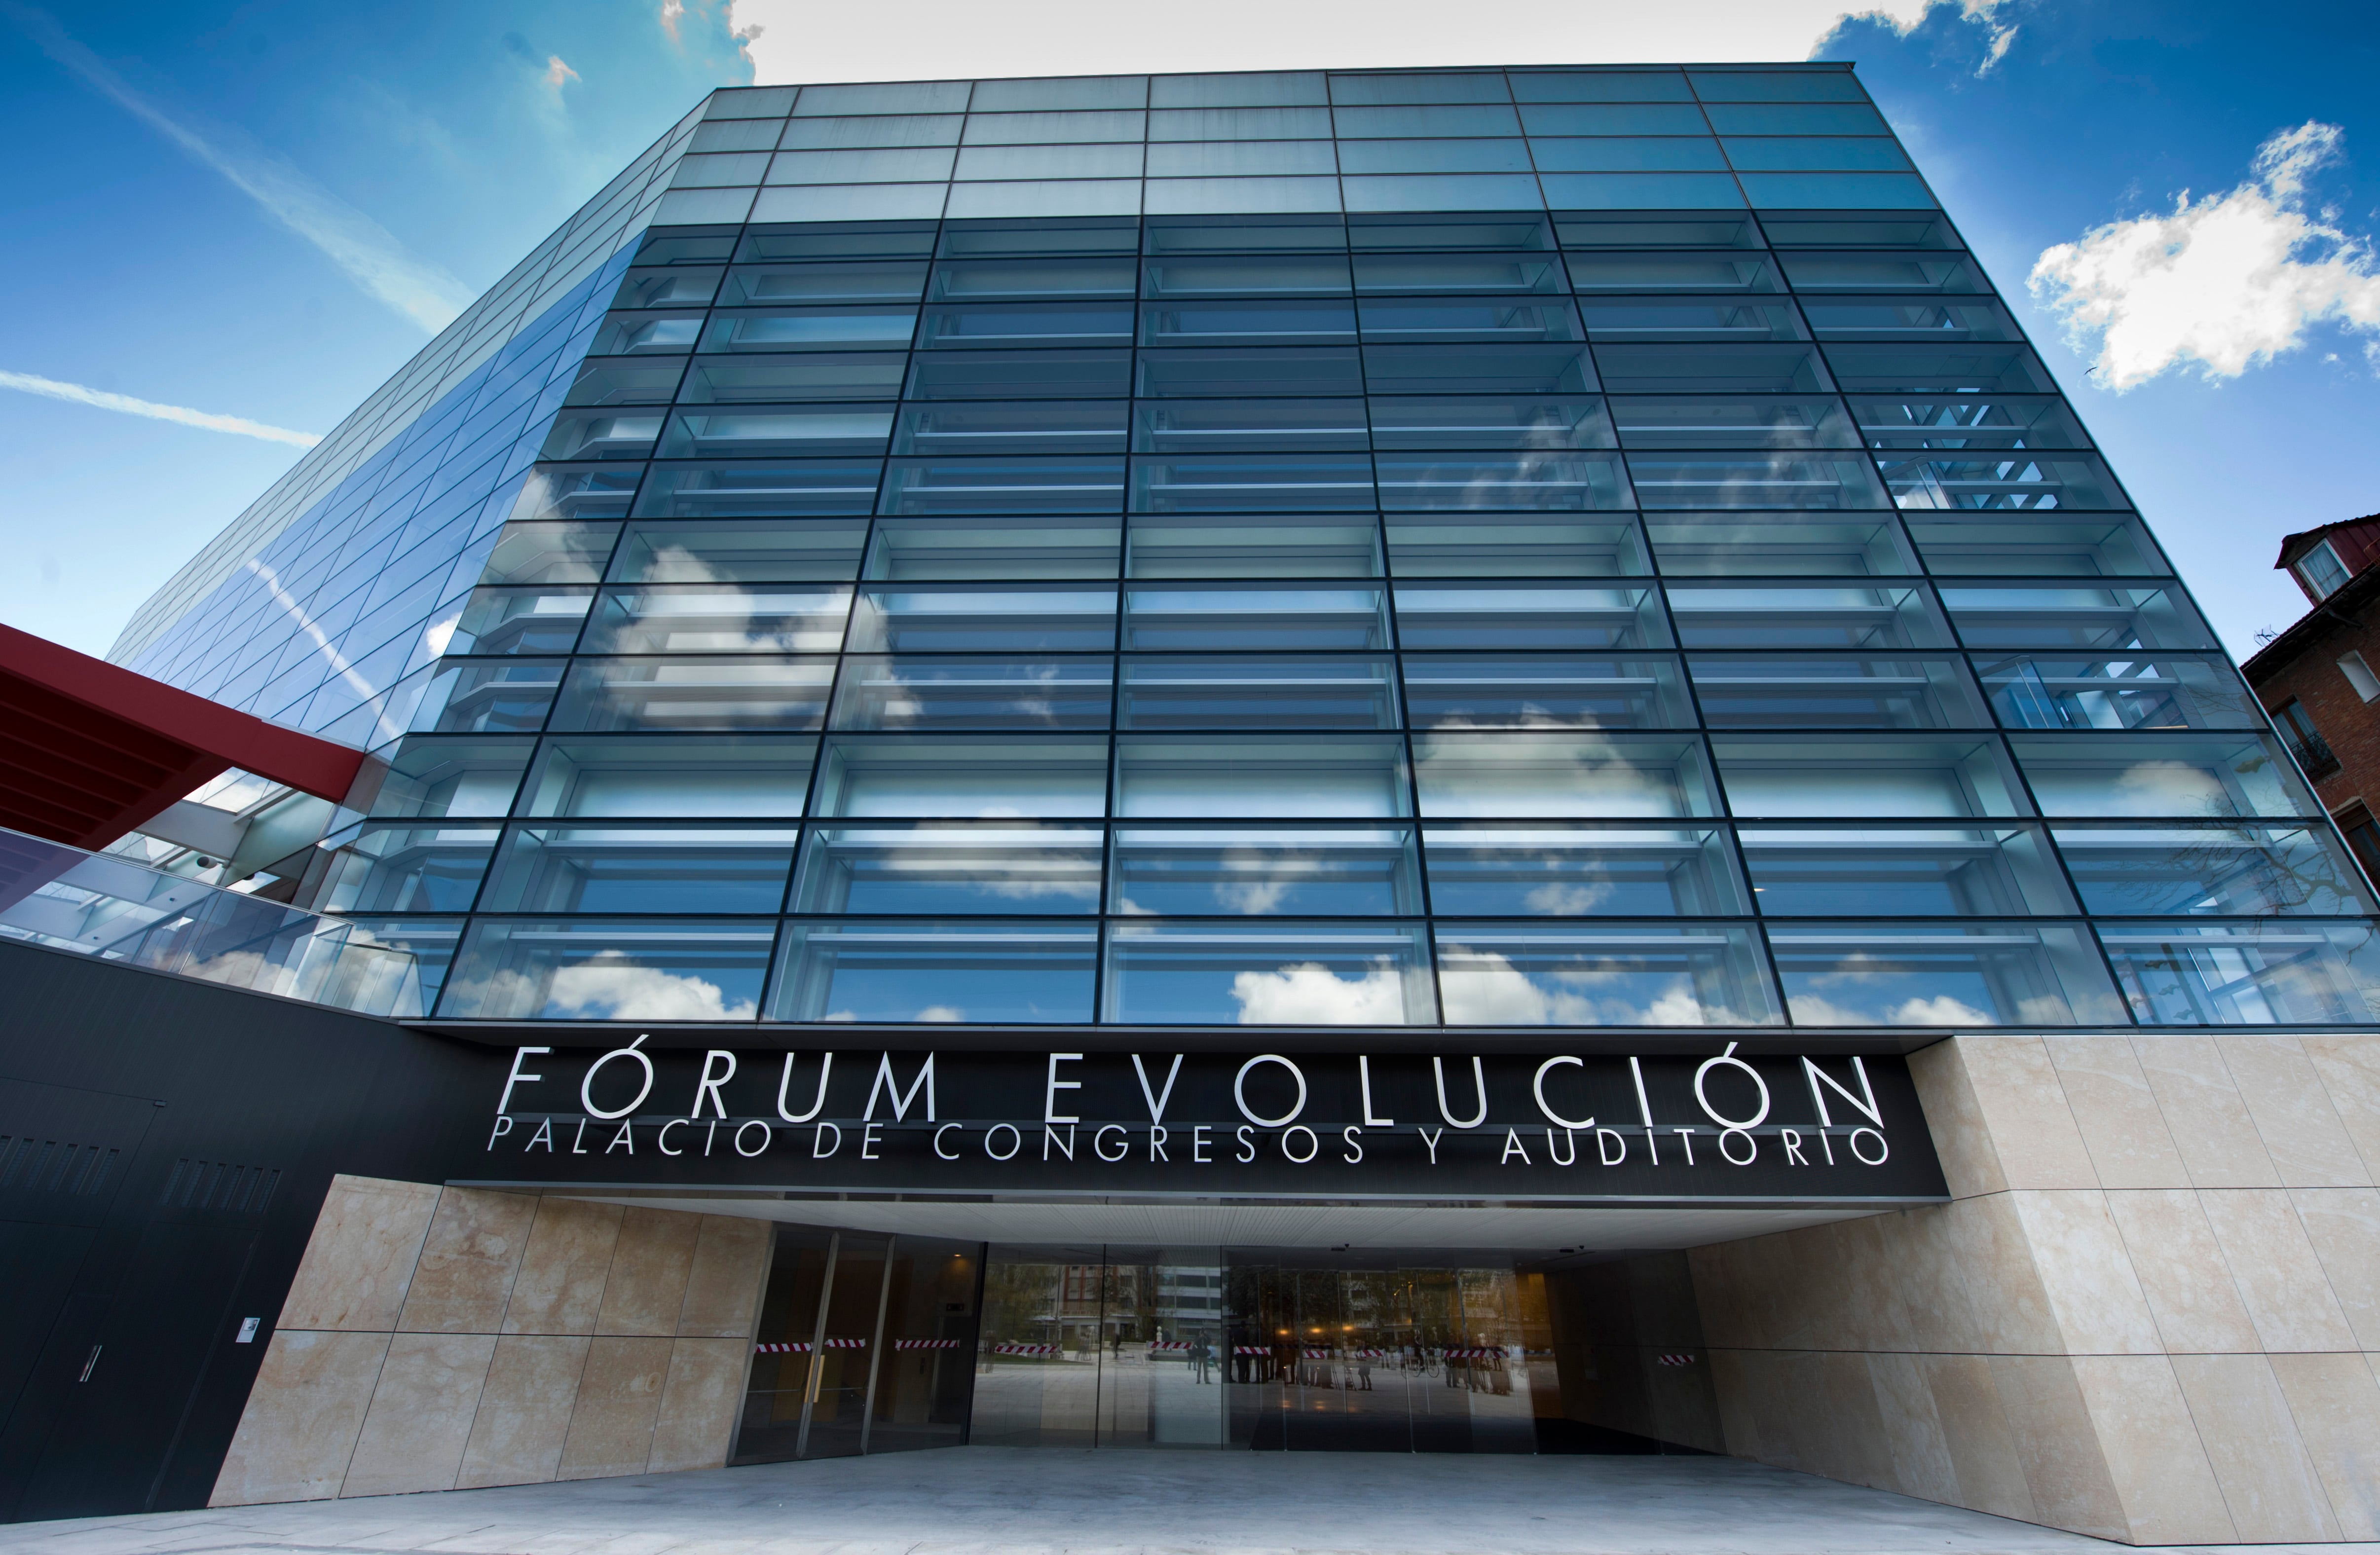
{"x":993,"y":1500}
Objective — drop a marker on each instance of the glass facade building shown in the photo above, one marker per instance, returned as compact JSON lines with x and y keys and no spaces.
{"x":1489,"y":549}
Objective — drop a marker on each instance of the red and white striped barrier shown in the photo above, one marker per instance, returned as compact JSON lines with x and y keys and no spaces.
{"x":1026,"y":1350}
{"x":924,"y":1344}
{"x":1251,"y":1349}
{"x":1473,"y":1353}
{"x":1675,"y":1360}
{"x":802,"y":1346}
{"x":1169,"y":1345}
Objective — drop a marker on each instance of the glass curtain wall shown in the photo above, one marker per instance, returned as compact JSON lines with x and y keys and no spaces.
{"x":1481,"y":548}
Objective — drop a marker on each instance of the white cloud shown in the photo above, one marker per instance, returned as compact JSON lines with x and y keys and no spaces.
{"x":607,"y":986}
{"x":802,"y":41}
{"x":557,"y":72}
{"x":53,"y":389}
{"x":368,"y":251}
{"x":2227,"y":282}
{"x":1311,"y":994}
{"x":672,"y":11}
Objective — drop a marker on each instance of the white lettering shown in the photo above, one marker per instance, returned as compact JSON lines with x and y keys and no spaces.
{"x":1354,"y":1150}
{"x":937,"y":1142}
{"x":1537,"y":1088}
{"x":1478,"y":1079}
{"x":817,"y":1104}
{"x":1200,"y":1143}
{"x":1688,"y":1135}
{"x":1554,"y":1156}
{"x":517,"y":1077}
{"x":1792,"y":1139}
{"x":1099,"y":1142}
{"x":1240,"y":1092}
{"x":1431,"y":1141}
{"x":1015,"y":1136}
{"x":1883,"y":1150}
{"x":1248,"y":1150}
{"x":663,"y":1137}
{"x":820,"y":1149}
{"x":624,"y":1138}
{"x":885,"y":1084}
{"x":708,"y":1086}
{"x":586,"y":1086}
{"x":1604,"y":1139}
{"x":545,"y":1133}
{"x":1049,"y":1137}
{"x":1157,"y":1138}
{"x":1864,"y":1102}
{"x":504,"y":1126}
{"x":1714,"y":1113}
{"x":1050,"y":1113}
{"x":1313,"y":1145}
{"x":747,"y":1126}
{"x":869,"y":1139}
{"x":1512,"y":1146}
{"x":1156,"y":1100}
{"x":578,"y":1141}
{"x":1750,"y":1146}
{"x":1364,"y":1076}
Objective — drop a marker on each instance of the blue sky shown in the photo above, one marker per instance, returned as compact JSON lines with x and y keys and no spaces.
{"x":252,"y":211}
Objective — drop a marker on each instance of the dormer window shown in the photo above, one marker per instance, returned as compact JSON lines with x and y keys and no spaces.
{"x":2322,"y":571}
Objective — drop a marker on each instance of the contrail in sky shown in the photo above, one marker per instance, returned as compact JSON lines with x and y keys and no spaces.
{"x":130,"y":407}
{"x":369,"y":252}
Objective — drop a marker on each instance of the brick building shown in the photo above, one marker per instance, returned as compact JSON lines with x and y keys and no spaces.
{"x":2316,"y":679}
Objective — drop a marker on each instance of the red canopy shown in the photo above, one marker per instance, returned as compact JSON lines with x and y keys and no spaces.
{"x":90,"y":750}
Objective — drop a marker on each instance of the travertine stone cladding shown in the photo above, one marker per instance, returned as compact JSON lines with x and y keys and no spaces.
{"x":2151,"y":1312}
{"x":443,"y":1338}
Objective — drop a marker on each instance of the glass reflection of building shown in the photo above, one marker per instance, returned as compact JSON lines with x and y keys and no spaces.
{"x":1531,"y":548}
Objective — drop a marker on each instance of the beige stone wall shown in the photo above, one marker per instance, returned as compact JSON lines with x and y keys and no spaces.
{"x":437,"y":1338}
{"x":2151,"y":1314}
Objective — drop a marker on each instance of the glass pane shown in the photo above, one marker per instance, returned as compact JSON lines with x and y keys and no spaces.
{"x":1505,"y":422}
{"x":1298,"y":545}
{"x":750,"y":777}
{"x":1544,"y":691}
{"x":1859,"y":776}
{"x":875,"y":129}
{"x":976,"y":325}
{"x":1315,"y":371}
{"x":962,"y":777}
{"x":624,"y":381}
{"x":1043,"y":549}
{"x":1049,"y":483}
{"x":487,"y":698}
{"x":1344,"y":777}
{"x":1939,"y":369}
{"x":827,"y":375}
{"x":925,"y":619}
{"x":1806,"y":481}
{"x":1004,"y":869}
{"x":1007,"y":427}
{"x":1255,"y":616}
{"x":640,"y":868}
{"x":689,"y":619}
{"x":1198,"y":425}
{"x":1011,"y":129}
{"x":1350,"y":974}
{"x":520,"y":621}
{"x":694,"y":693}
{"x":1800,"y":690}
{"x":1733,"y":421}
{"x":1976,"y":872}
{"x":920,"y":693}
{"x":2005,"y":483}
{"x":1287,"y":694}
{"x":777,"y":431}
{"x":2162,"y":777}
{"x":1034,"y":280}
{"x":1953,"y":273}
{"x":2162,"y":692}
{"x":1575,"y":872}
{"x":2246,"y":974}
{"x":758,"y":489}
{"x":2111,"y":545}
{"x":1844,"y":615}
{"x":925,"y":1373}
{"x":1516,"y":545}
{"x":1200,"y":276}
{"x":777,"y":286}
{"x":535,"y":553}
{"x":1612,"y":118}
{"x":1863,"y":153}
{"x":1245,"y":482}
{"x":1665,"y":153}
{"x":1954,"y":975}
{"x":1731,"y":545}
{"x":442,"y":778}
{"x":899,"y":971}
{"x":1691,"y":318}
{"x":1270,"y":872}
{"x":1525,"y":616}
{"x":1481,"y":275}
{"x":1110,"y":161}
{"x":2076,"y":618}
{"x":1607,"y":776}
{"x":1038,"y":1373}
{"x":811,"y":329}
{"x":753,"y":551}
{"x":1611,"y":974}
{"x":625,"y":335}
{"x":1479,"y":369}
{"x":1692,"y":367}
{"x":1550,"y":481}
{"x":2247,"y":871}
{"x":689,"y":969}
{"x":383,"y":868}
{"x":1703,"y":271}
{"x":1426,"y":319}
{"x":1240,"y":159}
{"x":1022,"y":375}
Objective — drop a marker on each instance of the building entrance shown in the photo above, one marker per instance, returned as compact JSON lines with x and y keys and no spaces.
{"x":1150,"y":1348}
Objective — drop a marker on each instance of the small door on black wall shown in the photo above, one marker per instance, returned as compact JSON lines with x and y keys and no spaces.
{"x":64,"y":1156}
